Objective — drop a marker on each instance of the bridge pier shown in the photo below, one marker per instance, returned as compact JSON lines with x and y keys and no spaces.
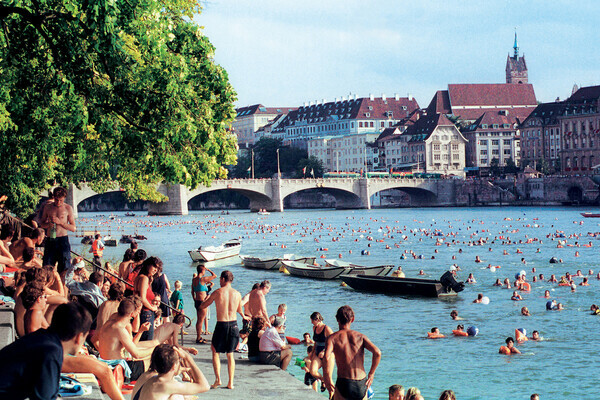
{"x":175,"y":205}
{"x":72,"y":198}
{"x":364,"y":193}
{"x":276,"y":199}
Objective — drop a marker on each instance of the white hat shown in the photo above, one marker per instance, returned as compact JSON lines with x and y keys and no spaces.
{"x":452,"y":268}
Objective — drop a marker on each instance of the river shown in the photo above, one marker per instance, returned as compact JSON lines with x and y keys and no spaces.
{"x":565,"y":364}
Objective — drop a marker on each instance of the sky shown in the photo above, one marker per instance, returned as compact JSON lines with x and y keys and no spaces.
{"x":283,"y":53}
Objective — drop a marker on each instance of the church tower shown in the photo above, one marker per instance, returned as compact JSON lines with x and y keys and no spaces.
{"x":516,"y":69}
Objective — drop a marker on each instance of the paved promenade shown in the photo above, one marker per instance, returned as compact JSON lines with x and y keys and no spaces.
{"x":252,"y":381}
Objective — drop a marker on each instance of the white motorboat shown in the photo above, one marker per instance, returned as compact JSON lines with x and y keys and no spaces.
{"x":210,"y":253}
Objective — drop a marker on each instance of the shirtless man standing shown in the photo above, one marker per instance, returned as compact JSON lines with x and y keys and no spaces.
{"x":226,"y":335}
{"x":57,"y":219}
{"x":257,"y":304}
{"x":349,"y":346}
{"x":115,"y":336}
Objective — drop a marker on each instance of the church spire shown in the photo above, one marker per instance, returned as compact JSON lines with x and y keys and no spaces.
{"x":516,"y":47}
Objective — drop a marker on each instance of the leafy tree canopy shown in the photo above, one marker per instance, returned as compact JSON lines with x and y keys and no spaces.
{"x":105,"y":91}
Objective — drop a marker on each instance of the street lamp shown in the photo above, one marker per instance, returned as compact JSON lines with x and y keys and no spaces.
{"x":278,"y":167}
{"x":252,"y":163}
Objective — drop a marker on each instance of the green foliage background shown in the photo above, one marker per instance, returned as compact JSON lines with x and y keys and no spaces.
{"x":101,"y":91}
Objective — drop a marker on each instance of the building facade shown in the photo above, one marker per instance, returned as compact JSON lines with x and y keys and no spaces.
{"x":580,"y":132}
{"x":349,"y":153}
{"x":343,"y":117}
{"x":249,"y":121}
{"x":541,"y":138}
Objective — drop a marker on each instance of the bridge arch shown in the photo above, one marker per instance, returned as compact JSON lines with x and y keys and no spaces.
{"x":418,"y":196}
{"x":257,"y":199}
{"x":342,"y":198}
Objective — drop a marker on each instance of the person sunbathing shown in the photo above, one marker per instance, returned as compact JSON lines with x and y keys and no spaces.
{"x":115,"y":336}
{"x":159,"y":382}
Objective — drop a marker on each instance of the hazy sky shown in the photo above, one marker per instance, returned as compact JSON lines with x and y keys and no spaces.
{"x":284,"y":53}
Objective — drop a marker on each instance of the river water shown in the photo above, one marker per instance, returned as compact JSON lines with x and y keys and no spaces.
{"x":563,"y":365}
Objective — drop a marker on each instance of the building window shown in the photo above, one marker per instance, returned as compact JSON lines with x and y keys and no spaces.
{"x":360,"y":124}
{"x":483,"y":152}
{"x":436,"y":157}
{"x":507,"y":152}
{"x":436,"y":146}
{"x":455,"y":156}
{"x":454,"y":147}
{"x":495,"y":152}
{"x":484,"y":161}
{"x":506,"y":142}
{"x":483,"y":142}
{"x":495,"y":142}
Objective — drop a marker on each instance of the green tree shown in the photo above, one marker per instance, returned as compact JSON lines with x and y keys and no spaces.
{"x":311,"y":163}
{"x":495,"y":169}
{"x":543,"y":166}
{"x":510,"y":167}
{"x":100,"y":91}
{"x":265,"y":156}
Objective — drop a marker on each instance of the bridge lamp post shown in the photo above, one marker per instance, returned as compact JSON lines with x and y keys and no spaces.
{"x":278,"y":166}
{"x":252,"y":163}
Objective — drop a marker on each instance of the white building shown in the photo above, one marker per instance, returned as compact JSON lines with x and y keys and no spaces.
{"x":343,"y":117}
{"x":343,"y":153}
{"x":249,"y":121}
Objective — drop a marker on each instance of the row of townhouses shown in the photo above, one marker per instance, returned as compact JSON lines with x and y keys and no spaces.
{"x":464,"y":127}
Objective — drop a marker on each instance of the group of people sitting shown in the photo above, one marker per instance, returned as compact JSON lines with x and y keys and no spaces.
{"x":70,"y":322}
{"x":396,"y":392}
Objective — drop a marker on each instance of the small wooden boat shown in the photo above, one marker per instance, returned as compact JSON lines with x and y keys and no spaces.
{"x":273,"y":263}
{"x":590,"y":215}
{"x":311,"y":271}
{"x":380,"y":270}
{"x":210,"y":253}
{"x":261,"y":263}
{"x":129,"y":214}
{"x":398,"y":286}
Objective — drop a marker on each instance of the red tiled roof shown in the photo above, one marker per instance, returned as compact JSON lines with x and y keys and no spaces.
{"x":440,"y":103}
{"x":260,"y":109}
{"x":491,"y":94}
{"x":518,"y":64}
{"x":515,"y":115}
{"x":351,"y":110}
{"x":585,"y":94}
{"x":425,"y":125}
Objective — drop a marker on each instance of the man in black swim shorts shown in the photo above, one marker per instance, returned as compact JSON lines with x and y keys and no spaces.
{"x":349,"y":346}
{"x":226,"y":334}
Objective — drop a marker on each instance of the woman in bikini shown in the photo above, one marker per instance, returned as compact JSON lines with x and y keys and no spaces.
{"x":320,"y":334}
{"x":143,"y":288}
{"x":199,"y":294}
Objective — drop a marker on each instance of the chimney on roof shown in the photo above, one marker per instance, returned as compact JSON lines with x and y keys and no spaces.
{"x":396,"y":96}
{"x":336,"y":99}
{"x":324,"y":101}
{"x":305,"y":104}
{"x":383,"y":97}
{"x":355,"y":96}
{"x":409,"y":97}
{"x":371,"y":97}
{"x":343,"y":98}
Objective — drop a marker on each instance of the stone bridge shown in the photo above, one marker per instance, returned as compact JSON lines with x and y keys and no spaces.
{"x":269,"y":194}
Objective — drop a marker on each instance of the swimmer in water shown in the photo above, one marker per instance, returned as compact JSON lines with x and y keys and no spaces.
{"x":507,"y":283}
{"x":509,"y":348}
{"x":471,"y":278}
{"x":584,"y":282}
{"x":535,"y":335}
{"x":479,"y":298}
{"x":595,"y":309}
{"x":421,"y":272}
{"x":516,"y":296}
{"x":553,"y":278}
{"x":525,"y":312}
{"x":547,"y":294}
{"x":454,"y":315}
{"x":498,"y":282}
